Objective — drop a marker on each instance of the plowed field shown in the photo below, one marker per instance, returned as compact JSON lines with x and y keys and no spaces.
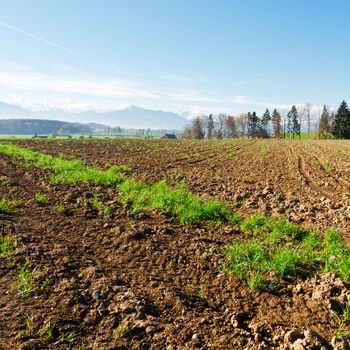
{"x":145,"y":281}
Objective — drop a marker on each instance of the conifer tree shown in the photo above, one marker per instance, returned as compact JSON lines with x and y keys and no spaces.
{"x":342,"y":122}
{"x":197,"y":129}
{"x":289,"y":124}
{"x":294,"y":126}
{"x":324,"y":125}
{"x":253,"y":125}
{"x":265,"y":119}
{"x":210,"y":127}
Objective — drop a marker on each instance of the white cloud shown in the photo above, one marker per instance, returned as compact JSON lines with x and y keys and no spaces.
{"x":200,"y":110}
{"x":44,"y":103}
{"x":243,"y":100}
{"x":93,"y":87}
{"x":70,"y":88}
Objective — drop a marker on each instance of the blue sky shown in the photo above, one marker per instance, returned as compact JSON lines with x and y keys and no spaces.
{"x":195,"y":56}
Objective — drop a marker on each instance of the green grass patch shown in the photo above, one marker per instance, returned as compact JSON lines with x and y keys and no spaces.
{"x":264,"y":153}
{"x":335,"y":255}
{"x":28,"y":325}
{"x":6,"y":205}
{"x":276,"y":249}
{"x":183,"y":205}
{"x":232,"y":154}
{"x":122,"y":331}
{"x":69,"y":339}
{"x":178,"y":202}
{"x":62,"y":209}
{"x":192,"y":290}
{"x":94,"y":202}
{"x":25,"y":281}
{"x":108,"y":211}
{"x":65,"y":171}
{"x":47,"y":329}
{"x":328,"y":168}
{"x":277,"y":229}
{"x":7,"y":246}
{"x":42,"y":198}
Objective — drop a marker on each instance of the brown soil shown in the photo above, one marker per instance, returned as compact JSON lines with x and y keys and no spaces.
{"x":146,"y":282}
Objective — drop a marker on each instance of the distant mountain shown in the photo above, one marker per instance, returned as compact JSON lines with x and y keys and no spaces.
{"x":40,"y":126}
{"x":134,"y":116}
{"x":98,"y":127}
{"x":131,"y":117}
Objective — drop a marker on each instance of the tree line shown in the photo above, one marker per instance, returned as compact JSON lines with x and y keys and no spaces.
{"x":40,"y":126}
{"x":330,"y":124}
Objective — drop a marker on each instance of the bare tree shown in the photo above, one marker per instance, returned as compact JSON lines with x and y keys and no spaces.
{"x":187,"y":133}
{"x":242,"y":124}
{"x":231,"y":127}
{"x":220,"y":125}
{"x":307,"y":110}
{"x":195,"y":130}
{"x":210,"y":127}
{"x":205,"y":120}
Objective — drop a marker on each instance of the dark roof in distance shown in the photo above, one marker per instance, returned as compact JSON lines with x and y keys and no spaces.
{"x":169,"y":136}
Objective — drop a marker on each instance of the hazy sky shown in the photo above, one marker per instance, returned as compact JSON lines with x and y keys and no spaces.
{"x":177,"y":55}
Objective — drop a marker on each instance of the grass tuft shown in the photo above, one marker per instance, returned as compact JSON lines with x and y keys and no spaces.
{"x":62,"y":209}
{"x":108,"y":211}
{"x":69,"y":338}
{"x":25,"y":281}
{"x":47,"y":330}
{"x":94,"y":202}
{"x":42,"y":198}
{"x":6,"y":205}
{"x":8,"y":246}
